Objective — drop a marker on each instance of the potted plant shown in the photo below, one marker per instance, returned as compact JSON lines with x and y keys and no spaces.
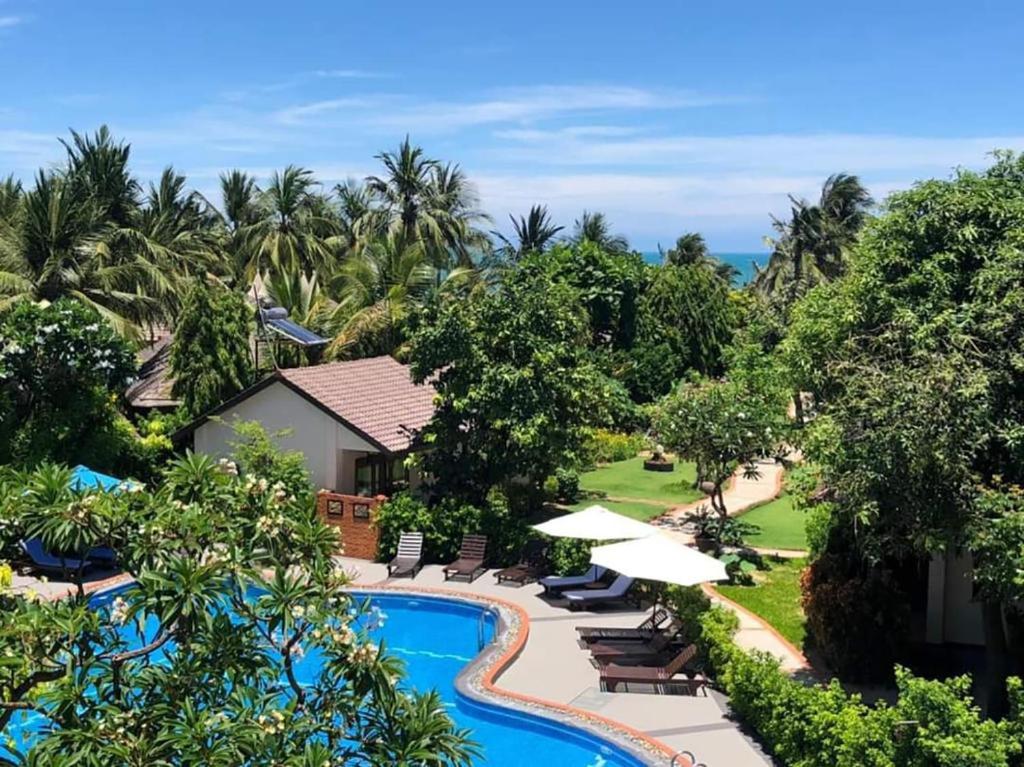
{"x":658,"y":461}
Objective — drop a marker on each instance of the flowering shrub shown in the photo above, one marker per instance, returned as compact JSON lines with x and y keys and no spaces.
{"x":608,"y":446}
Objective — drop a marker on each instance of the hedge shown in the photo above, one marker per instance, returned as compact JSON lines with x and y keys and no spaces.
{"x":934,"y":723}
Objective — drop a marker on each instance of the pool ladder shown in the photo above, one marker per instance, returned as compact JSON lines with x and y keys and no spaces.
{"x":481,"y":627}
{"x":688,"y":755}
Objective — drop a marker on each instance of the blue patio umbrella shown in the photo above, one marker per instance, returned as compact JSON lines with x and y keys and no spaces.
{"x":84,"y":478}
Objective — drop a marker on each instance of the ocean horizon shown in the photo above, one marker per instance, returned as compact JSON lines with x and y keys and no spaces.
{"x":743,"y":262}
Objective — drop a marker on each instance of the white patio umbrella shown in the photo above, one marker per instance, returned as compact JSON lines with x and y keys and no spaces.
{"x":595,"y":523}
{"x":659,"y":558}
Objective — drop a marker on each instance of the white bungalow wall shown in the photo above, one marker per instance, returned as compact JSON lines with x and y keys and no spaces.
{"x":311,"y":431}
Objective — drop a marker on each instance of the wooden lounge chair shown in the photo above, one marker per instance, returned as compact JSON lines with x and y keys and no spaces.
{"x":554,"y":584}
{"x":471,"y":558}
{"x":631,"y":652}
{"x":529,"y":569}
{"x":45,"y":562}
{"x":409,"y":557}
{"x":641,"y":633}
{"x":617,"y":592}
{"x":662,"y":678}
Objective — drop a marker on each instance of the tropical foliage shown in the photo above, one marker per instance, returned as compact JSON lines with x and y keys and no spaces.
{"x":199,"y":661}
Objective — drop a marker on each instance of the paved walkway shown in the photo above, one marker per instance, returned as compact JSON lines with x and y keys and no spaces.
{"x":554,"y":668}
{"x":742,"y":494}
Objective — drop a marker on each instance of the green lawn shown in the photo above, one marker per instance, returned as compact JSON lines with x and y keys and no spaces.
{"x":628,"y":480}
{"x":782,"y":527}
{"x":775,"y":597}
{"x":634,"y":509}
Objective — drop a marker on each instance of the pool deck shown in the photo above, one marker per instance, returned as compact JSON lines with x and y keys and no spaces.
{"x":552,"y":667}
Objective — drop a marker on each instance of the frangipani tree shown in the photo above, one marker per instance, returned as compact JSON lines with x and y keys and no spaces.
{"x":722,"y":426}
{"x":202,"y":659}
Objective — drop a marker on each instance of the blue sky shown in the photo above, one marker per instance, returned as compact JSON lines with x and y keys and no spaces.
{"x":668,"y":116}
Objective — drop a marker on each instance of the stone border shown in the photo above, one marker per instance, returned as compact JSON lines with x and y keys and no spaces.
{"x":477,"y":680}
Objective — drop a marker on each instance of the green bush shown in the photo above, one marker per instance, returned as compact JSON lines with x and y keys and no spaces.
{"x":569,"y":556}
{"x":857,"y":620}
{"x":688,"y":603}
{"x":608,"y":446}
{"x":567,"y":485}
{"x":932,"y":723}
{"x":444,"y":524}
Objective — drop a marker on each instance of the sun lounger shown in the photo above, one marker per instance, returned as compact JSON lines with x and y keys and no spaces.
{"x":662,"y":678}
{"x":44,"y":561}
{"x":529,"y":569}
{"x":102,"y":556}
{"x":554,"y":584}
{"x":471,"y":558}
{"x":409,"y":557}
{"x":617,"y":592}
{"x":641,"y":633}
{"x":609,"y":651}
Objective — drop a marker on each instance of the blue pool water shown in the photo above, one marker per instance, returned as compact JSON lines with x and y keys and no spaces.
{"x":436,"y":638}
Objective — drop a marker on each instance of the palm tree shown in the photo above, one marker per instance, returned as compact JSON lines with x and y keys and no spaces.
{"x":60,"y":249}
{"x":178,"y":226}
{"x":691,"y":249}
{"x":423,"y":201}
{"x":295,"y":228}
{"x":811,"y":244}
{"x":10,"y":199}
{"x":595,"y":228}
{"x":97,"y":169}
{"x":377,"y":287}
{"x":533,"y":233}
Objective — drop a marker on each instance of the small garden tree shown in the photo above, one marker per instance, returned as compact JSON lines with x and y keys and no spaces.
{"x":722,"y":426}
{"x":210,"y":356}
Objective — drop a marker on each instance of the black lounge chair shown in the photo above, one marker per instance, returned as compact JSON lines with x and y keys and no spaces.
{"x":617,"y":592}
{"x":662,"y":678}
{"x":45,"y":562}
{"x":555,"y":584}
{"x":531,"y":567}
{"x":409,"y":557}
{"x":471,"y":558}
{"x":641,"y":633}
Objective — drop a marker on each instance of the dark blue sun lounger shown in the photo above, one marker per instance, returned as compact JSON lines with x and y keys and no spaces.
{"x":46,"y":562}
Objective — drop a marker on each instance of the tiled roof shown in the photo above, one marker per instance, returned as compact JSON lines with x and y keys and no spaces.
{"x":152,"y":388}
{"x":376,"y":396}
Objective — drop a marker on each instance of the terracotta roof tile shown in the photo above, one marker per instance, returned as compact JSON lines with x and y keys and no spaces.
{"x":375,"y":395}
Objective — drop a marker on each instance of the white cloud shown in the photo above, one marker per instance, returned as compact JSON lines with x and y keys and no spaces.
{"x":508,"y":106}
{"x":856,"y":153}
{"x":349,"y":74}
{"x":6,"y":22}
{"x":295,"y":115}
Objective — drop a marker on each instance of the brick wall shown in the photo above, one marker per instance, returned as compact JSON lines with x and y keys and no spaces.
{"x":355,"y":517}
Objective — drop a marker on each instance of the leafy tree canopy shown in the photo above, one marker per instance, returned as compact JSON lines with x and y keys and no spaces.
{"x":210,"y":355}
{"x":515,"y":386}
{"x":61,"y":369}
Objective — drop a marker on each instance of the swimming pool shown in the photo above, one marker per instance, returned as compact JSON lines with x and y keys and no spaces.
{"x":437,"y":638}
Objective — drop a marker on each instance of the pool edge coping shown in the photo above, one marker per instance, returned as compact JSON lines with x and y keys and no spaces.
{"x":478,"y":680}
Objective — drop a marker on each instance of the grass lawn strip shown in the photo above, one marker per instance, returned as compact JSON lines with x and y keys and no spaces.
{"x":628,"y":480}
{"x":634,"y":509}
{"x":775,"y":597}
{"x":782,"y":526}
